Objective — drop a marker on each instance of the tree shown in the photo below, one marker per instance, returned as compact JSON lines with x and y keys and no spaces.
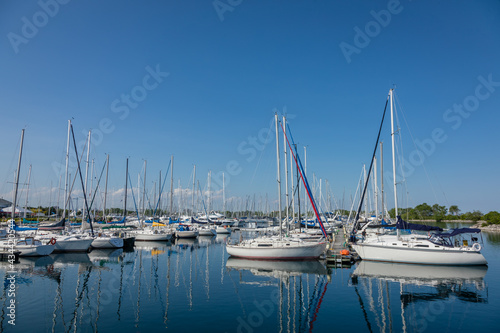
{"x":492,"y":217}
{"x":454,"y":210}
{"x":423,"y":211}
{"x":474,"y":216}
{"x":439,"y":212}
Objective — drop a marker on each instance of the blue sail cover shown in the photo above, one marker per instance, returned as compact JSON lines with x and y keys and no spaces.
{"x":413,"y":226}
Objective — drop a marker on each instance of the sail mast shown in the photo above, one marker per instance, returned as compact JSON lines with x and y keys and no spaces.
{"x":393,"y":156}
{"x":171,"y":183}
{"x":125,"y":199}
{"x":278,"y":175}
{"x":382,"y":178}
{"x":286,"y":177}
{"x":66,"y":198}
{"x":86,"y":178}
{"x":16,"y":183}
{"x":105,"y":189}
{"x":194,"y":183}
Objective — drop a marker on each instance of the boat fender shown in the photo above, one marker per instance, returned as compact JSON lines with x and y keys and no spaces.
{"x":53,"y":241}
{"x":476,"y":247}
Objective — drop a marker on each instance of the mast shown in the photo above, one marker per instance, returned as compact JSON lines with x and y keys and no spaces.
{"x":66,"y":198}
{"x":105,"y":189}
{"x":382,"y":178}
{"x":305,"y":190}
{"x":86,"y":177}
{"x":92,"y":182}
{"x":144,"y":192}
{"x":393,"y":156}
{"x":375,"y":188}
{"x":16,"y":183}
{"x":292,"y":188}
{"x":58,"y":196}
{"x":28,"y":190}
{"x":171,"y":183}
{"x":366,"y":199}
{"x":125,"y":200}
{"x":278,"y":175}
{"x":286,"y":178}
{"x":159,"y":196}
{"x":194,"y":183}
{"x":223,"y":195}
{"x":209,"y":196}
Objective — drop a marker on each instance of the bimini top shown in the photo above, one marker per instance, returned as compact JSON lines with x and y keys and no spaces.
{"x":459,"y":231}
{"x":400,"y":224}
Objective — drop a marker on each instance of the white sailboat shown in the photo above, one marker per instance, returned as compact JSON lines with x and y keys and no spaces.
{"x":434,"y":249}
{"x":283,"y":248}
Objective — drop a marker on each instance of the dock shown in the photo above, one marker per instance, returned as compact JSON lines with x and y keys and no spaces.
{"x":339,"y":255}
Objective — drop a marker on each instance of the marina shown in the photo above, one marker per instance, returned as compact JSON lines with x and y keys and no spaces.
{"x":250,"y":166}
{"x":160,"y":286}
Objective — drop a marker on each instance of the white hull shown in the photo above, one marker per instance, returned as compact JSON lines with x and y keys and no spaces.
{"x":206,"y":232}
{"x":275,"y":249}
{"x":34,"y":250}
{"x":423,"y":253}
{"x":107,"y":243}
{"x":186,"y":234}
{"x":223,"y":231}
{"x":151,"y":237}
{"x":72,"y":245}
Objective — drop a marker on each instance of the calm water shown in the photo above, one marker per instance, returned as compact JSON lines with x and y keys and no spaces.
{"x":193,"y":286}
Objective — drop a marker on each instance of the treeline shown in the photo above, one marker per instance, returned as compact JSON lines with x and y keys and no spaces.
{"x":439,"y":213}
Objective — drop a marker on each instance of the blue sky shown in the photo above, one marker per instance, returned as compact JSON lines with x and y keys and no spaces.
{"x":222,"y":68}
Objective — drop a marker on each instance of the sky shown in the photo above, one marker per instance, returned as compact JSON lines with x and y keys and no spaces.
{"x":202,"y":80}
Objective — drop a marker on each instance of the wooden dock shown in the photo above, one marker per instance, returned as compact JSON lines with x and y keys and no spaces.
{"x":339,"y":253}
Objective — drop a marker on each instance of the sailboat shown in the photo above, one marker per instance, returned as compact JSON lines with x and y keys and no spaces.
{"x":279,"y":247}
{"x":28,"y":246}
{"x":435,"y":248}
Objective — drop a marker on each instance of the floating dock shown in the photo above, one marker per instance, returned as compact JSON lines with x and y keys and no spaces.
{"x":339,"y":254}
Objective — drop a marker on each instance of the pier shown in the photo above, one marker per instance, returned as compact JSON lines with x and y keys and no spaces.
{"x":339,"y":254}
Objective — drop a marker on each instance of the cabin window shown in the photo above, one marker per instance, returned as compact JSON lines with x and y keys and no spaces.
{"x":394,"y":244}
{"x":265,"y":245}
{"x":421,"y":245}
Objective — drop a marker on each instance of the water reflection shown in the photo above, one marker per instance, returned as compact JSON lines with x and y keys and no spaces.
{"x":424,"y":292}
{"x":298,"y":289}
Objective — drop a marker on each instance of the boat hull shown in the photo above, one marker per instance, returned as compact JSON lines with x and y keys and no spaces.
{"x":72,"y":245}
{"x":303,"y":251}
{"x":441,"y":256}
{"x":206,"y":232}
{"x":107,"y":243}
{"x":34,"y":250}
{"x":186,"y":234}
{"x":151,"y":237}
{"x":223,"y":231}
